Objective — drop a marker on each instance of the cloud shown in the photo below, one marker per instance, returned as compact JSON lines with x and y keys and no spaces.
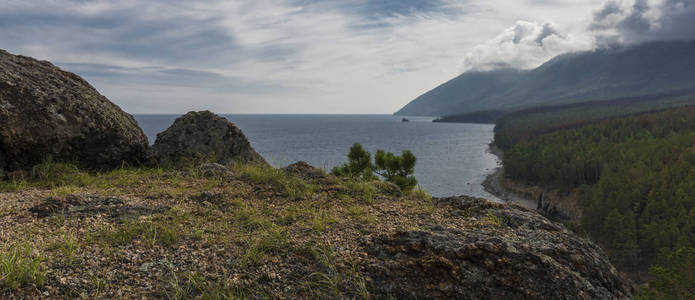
{"x":528,"y":44}
{"x":162,"y":76}
{"x":636,"y":21}
{"x":524,"y":45}
{"x":300,"y":56}
{"x":248,"y":56}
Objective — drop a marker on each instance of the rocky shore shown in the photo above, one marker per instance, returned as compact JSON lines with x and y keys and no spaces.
{"x":494,"y":184}
{"x":552,"y":204}
{"x":201,"y":215}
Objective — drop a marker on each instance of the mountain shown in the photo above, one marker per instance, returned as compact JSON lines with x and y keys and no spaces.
{"x":646,"y":69}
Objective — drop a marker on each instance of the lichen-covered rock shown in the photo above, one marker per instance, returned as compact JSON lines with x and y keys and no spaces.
{"x":305,"y":171}
{"x":524,"y":257}
{"x":203,"y":135}
{"x":47,"y":113}
{"x":212,"y":169}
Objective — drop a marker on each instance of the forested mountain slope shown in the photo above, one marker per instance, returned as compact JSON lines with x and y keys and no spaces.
{"x":635,"y":177}
{"x":646,"y":69}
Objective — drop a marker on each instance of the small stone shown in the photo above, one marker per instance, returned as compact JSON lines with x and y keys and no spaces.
{"x":212,"y":169}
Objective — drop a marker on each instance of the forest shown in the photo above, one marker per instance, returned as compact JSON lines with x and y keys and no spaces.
{"x":636,"y":179}
{"x":518,"y":126}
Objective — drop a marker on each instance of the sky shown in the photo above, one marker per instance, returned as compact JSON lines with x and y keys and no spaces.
{"x":320,"y":56}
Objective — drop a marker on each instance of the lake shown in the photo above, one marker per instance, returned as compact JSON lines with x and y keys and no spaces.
{"x":452,"y":158}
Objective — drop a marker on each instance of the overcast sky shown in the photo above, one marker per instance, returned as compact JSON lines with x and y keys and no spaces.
{"x":321,"y":56}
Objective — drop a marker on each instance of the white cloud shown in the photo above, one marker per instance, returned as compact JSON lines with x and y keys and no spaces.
{"x":292,"y":56}
{"x":528,"y":44}
{"x":525,"y":45}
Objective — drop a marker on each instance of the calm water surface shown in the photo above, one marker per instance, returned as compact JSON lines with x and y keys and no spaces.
{"x":452,"y":159}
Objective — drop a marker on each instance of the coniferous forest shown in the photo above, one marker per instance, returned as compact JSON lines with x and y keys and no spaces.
{"x":636,"y":179}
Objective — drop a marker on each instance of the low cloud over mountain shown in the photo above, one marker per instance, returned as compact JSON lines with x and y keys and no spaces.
{"x":528,"y":44}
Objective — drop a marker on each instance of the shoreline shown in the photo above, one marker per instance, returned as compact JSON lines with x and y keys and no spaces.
{"x":493,"y":185}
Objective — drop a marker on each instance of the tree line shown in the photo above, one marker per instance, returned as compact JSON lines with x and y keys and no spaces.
{"x":636,"y":180}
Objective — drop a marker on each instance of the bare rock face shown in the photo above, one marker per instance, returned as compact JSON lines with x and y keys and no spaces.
{"x":525,"y":256}
{"x":202,"y":135}
{"x":48,"y":113}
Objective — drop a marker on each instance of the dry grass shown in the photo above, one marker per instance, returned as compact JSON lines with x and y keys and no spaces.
{"x":251,"y":233}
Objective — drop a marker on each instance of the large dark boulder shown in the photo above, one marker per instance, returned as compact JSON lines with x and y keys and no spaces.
{"x":493,"y":251}
{"x":203,"y":135}
{"x":47,"y":113}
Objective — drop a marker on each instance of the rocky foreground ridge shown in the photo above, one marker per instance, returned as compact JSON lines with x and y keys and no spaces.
{"x":255,"y":231}
{"x":235,"y":227}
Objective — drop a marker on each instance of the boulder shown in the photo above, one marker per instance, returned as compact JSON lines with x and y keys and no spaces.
{"x":205,"y":136}
{"x":50,"y":114}
{"x":509,"y":253}
{"x":304,"y":171}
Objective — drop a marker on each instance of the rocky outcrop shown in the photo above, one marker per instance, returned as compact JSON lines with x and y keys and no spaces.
{"x":204,"y":136}
{"x":47,"y":113}
{"x":84,"y":206}
{"x":524,"y":257}
{"x":304,"y":171}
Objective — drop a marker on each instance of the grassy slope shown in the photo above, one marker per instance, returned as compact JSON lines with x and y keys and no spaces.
{"x":252,"y":232}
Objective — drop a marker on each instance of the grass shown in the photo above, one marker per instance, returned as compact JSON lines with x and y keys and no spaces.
{"x":64,"y":190}
{"x":322,"y":221}
{"x":66,"y":178}
{"x":421,"y":194}
{"x":271,"y":240}
{"x":259,"y":216}
{"x":264,"y":174}
{"x":361,"y":215}
{"x":19,"y":266}
{"x":338,"y":279}
{"x":424,"y":198}
{"x":54,"y":174}
{"x":99,"y":281}
{"x":66,"y":244}
{"x":13,"y":185}
{"x":163,"y":230}
{"x":250,"y":219}
{"x":493,"y":219}
{"x":364,"y":191}
{"x":192,"y":285}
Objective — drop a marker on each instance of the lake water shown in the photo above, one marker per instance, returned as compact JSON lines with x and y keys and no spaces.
{"x":452,"y":158}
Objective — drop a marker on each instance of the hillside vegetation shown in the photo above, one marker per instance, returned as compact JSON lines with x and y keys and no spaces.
{"x":518,"y":126}
{"x":636,"y":180}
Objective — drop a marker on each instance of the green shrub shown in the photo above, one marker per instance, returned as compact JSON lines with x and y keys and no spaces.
{"x":396,"y":169}
{"x":393,"y":168}
{"x":359,"y":164}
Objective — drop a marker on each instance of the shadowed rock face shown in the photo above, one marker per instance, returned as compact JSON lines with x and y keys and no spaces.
{"x":48,"y":113}
{"x":526,"y":257}
{"x":202,"y":135}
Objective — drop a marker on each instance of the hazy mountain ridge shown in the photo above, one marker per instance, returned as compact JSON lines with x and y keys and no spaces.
{"x":650,"y":68}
